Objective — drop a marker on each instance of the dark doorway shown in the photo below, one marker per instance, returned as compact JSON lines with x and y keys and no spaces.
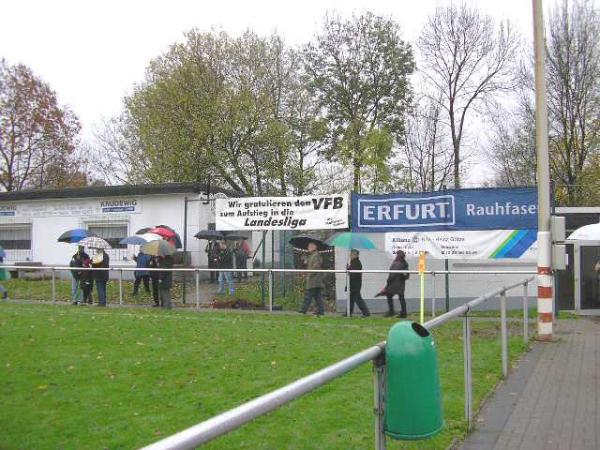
{"x":590,"y":286}
{"x":565,"y":283}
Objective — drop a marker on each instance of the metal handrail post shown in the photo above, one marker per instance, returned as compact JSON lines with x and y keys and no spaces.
{"x":525,"y":313}
{"x":504,"y":334}
{"x":197,"y":280}
{"x":433,"y":299}
{"x":347,"y":275}
{"x":120,"y":286}
{"x":379,"y":401}
{"x":271,"y":289}
{"x":468,"y":368}
{"x":53,"y":285}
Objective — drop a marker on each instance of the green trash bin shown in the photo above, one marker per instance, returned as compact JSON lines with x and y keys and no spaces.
{"x":413,"y":405}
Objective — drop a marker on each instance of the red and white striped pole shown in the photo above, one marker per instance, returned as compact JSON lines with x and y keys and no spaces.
{"x":545,"y":302}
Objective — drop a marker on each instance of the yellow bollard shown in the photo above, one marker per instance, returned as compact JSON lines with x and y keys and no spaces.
{"x":422,"y":268}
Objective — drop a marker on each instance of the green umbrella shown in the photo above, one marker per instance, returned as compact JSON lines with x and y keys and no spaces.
{"x":158,"y":248}
{"x":351,"y":240}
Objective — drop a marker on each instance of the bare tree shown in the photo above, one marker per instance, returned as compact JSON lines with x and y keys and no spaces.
{"x":468,"y":59}
{"x":115,"y":157}
{"x":573,"y":80}
{"x":426,"y":154}
{"x":38,"y":137}
{"x":512,"y":146}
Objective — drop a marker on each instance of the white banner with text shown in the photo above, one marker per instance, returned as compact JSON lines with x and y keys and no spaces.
{"x":311,"y":212}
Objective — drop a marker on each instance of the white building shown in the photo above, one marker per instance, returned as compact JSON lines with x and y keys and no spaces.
{"x":32,"y":221}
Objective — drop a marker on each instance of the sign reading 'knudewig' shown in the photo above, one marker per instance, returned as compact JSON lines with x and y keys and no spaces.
{"x":314,"y":212}
{"x":461,"y":209}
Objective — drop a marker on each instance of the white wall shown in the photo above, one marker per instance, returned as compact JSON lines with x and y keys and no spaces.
{"x":165,"y":209}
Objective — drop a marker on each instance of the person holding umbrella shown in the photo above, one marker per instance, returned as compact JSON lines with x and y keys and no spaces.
{"x":225,"y":261}
{"x":77,"y":260}
{"x":162,"y":253}
{"x":101,"y":260}
{"x":165,"y":280}
{"x":212,"y":251}
{"x":356,"y":284}
{"x":314,"y":281}
{"x":141,"y":262}
{"x":395,"y":285}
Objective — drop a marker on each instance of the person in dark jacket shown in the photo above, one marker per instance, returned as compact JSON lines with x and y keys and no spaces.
{"x":141,"y":262}
{"x":212,"y":251}
{"x":395,"y":285}
{"x":86,"y":282}
{"x":77,"y":261}
{"x":101,"y":261}
{"x":314,"y":281}
{"x":225,"y":261}
{"x":356,"y":284}
{"x":154,"y":278}
{"x":165,"y":280}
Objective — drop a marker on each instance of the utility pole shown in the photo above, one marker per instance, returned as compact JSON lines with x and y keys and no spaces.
{"x":545,"y":281}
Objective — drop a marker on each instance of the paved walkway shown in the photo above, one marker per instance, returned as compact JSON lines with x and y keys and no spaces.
{"x":551,"y":400}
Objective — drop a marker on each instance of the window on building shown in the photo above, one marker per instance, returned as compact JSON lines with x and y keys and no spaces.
{"x":16,"y":241}
{"x":111,"y":233}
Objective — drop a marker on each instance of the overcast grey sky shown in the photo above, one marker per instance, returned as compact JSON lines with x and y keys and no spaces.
{"x":93,"y":52}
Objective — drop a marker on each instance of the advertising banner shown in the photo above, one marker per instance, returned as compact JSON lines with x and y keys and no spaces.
{"x":314,"y":212}
{"x":62,"y":208}
{"x":460,"y":209}
{"x":485,"y":244}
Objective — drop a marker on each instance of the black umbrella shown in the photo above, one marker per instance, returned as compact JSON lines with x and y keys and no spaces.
{"x":210,"y":235}
{"x":301,"y":243}
{"x":235,"y":237}
{"x":143,"y":230}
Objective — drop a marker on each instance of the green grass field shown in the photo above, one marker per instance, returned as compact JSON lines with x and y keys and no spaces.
{"x":119,"y":378}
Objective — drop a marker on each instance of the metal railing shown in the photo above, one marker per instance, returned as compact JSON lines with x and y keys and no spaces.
{"x":197,"y":271}
{"x":236,"y":417}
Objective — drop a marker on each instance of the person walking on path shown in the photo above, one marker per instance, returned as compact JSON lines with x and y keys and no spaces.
{"x":141,"y":262}
{"x":356,"y":284}
{"x":165,"y":280}
{"x":395,"y":285}
{"x":314,"y":281}
{"x":101,"y":260}
{"x":212,"y":252}
{"x":225,"y":261}
{"x":77,"y":260}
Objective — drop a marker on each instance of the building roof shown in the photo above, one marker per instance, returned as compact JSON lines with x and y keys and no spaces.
{"x":111,"y":191}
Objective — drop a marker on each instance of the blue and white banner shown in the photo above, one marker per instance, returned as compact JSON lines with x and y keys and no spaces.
{"x":461,"y":209}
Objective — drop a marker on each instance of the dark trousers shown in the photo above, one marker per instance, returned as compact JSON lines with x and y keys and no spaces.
{"x":165,"y":297}
{"x":356,"y":298}
{"x":87,"y":288}
{"x":101,"y":288}
{"x":309,"y":295}
{"x":155,"y":293}
{"x":138,"y":281}
{"x":390,"y":299}
{"x":242,"y":263}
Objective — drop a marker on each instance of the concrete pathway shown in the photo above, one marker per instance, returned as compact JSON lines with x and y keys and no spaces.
{"x":551,"y":400}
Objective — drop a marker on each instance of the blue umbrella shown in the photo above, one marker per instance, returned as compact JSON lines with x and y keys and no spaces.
{"x":351,"y":240}
{"x":2,"y":252}
{"x":133,"y":240}
{"x":75,"y":235}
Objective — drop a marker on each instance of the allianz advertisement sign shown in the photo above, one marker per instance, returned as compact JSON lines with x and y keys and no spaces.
{"x":464,"y":209}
